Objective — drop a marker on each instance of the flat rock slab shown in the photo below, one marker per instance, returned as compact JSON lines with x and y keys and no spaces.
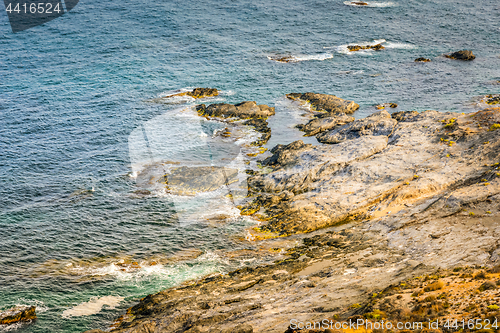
{"x":326,"y":103}
{"x":243,"y":110}
{"x":318,"y":125}
{"x":191,"y":180}
{"x":379,"y":123}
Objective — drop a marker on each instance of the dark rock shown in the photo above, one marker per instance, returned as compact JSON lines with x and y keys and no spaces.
{"x":327,"y":103}
{"x":18,"y":314}
{"x":386,"y":105}
{"x":422,"y":60}
{"x":284,"y":59}
{"x":203,"y":92}
{"x":493,"y":99}
{"x":405,"y":115}
{"x":284,"y":154}
{"x":197,"y":93}
{"x":261,"y":126}
{"x":461,"y":55}
{"x":354,"y":48}
{"x":243,"y":110}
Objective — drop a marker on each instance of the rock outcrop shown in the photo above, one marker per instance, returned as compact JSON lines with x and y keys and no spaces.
{"x":386,"y":105}
{"x":325,"y":103}
{"x":261,"y":126}
{"x":312,"y":280}
{"x":198,"y":93}
{"x":377,"y":124}
{"x":422,"y":60}
{"x":388,"y":199}
{"x":461,"y":55}
{"x":375,"y":163}
{"x":325,"y":123}
{"x":18,"y":314}
{"x":243,"y":110}
{"x":354,"y":48}
{"x":493,"y":99}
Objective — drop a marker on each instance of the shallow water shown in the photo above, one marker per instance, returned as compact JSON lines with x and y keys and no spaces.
{"x":74,"y":91}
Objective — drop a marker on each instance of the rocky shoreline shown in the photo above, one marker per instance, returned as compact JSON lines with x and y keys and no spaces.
{"x":381,"y":201}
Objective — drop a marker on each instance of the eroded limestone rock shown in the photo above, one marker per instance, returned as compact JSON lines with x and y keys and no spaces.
{"x":427,"y":154}
{"x":379,"y":123}
{"x":326,"y":103}
{"x":326,"y":123}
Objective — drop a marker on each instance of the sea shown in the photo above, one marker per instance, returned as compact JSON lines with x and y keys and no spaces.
{"x":86,"y":229}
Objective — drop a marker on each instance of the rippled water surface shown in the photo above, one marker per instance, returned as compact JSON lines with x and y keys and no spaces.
{"x":77,"y":239}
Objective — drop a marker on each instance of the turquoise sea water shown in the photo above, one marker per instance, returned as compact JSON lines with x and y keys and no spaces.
{"x":73,"y":91}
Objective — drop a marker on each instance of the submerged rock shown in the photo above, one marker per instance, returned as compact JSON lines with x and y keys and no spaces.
{"x":354,"y":48}
{"x":422,"y":60}
{"x":325,"y":103}
{"x":17,"y":314}
{"x":284,"y":59}
{"x":198,"y":93}
{"x":386,"y":105}
{"x":243,"y":110}
{"x":191,"y":180}
{"x":461,"y":55}
{"x":261,"y":126}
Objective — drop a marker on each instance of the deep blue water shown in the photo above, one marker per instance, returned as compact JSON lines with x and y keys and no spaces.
{"x":74,"y":89}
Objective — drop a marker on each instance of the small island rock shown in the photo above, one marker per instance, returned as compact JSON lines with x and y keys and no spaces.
{"x":18,"y":314}
{"x":462,"y":55}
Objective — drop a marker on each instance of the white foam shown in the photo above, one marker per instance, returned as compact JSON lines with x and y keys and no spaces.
{"x":372,"y":4}
{"x":11,"y":327}
{"x":405,"y":46}
{"x":173,"y":92}
{"x":40,"y":306}
{"x":320,"y":57}
{"x":93,"y":306}
{"x":227,"y":92}
{"x":343,"y":49}
{"x":298,"y":58}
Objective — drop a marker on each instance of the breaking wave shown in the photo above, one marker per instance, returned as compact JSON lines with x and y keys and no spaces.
{"x":298,"y":58}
